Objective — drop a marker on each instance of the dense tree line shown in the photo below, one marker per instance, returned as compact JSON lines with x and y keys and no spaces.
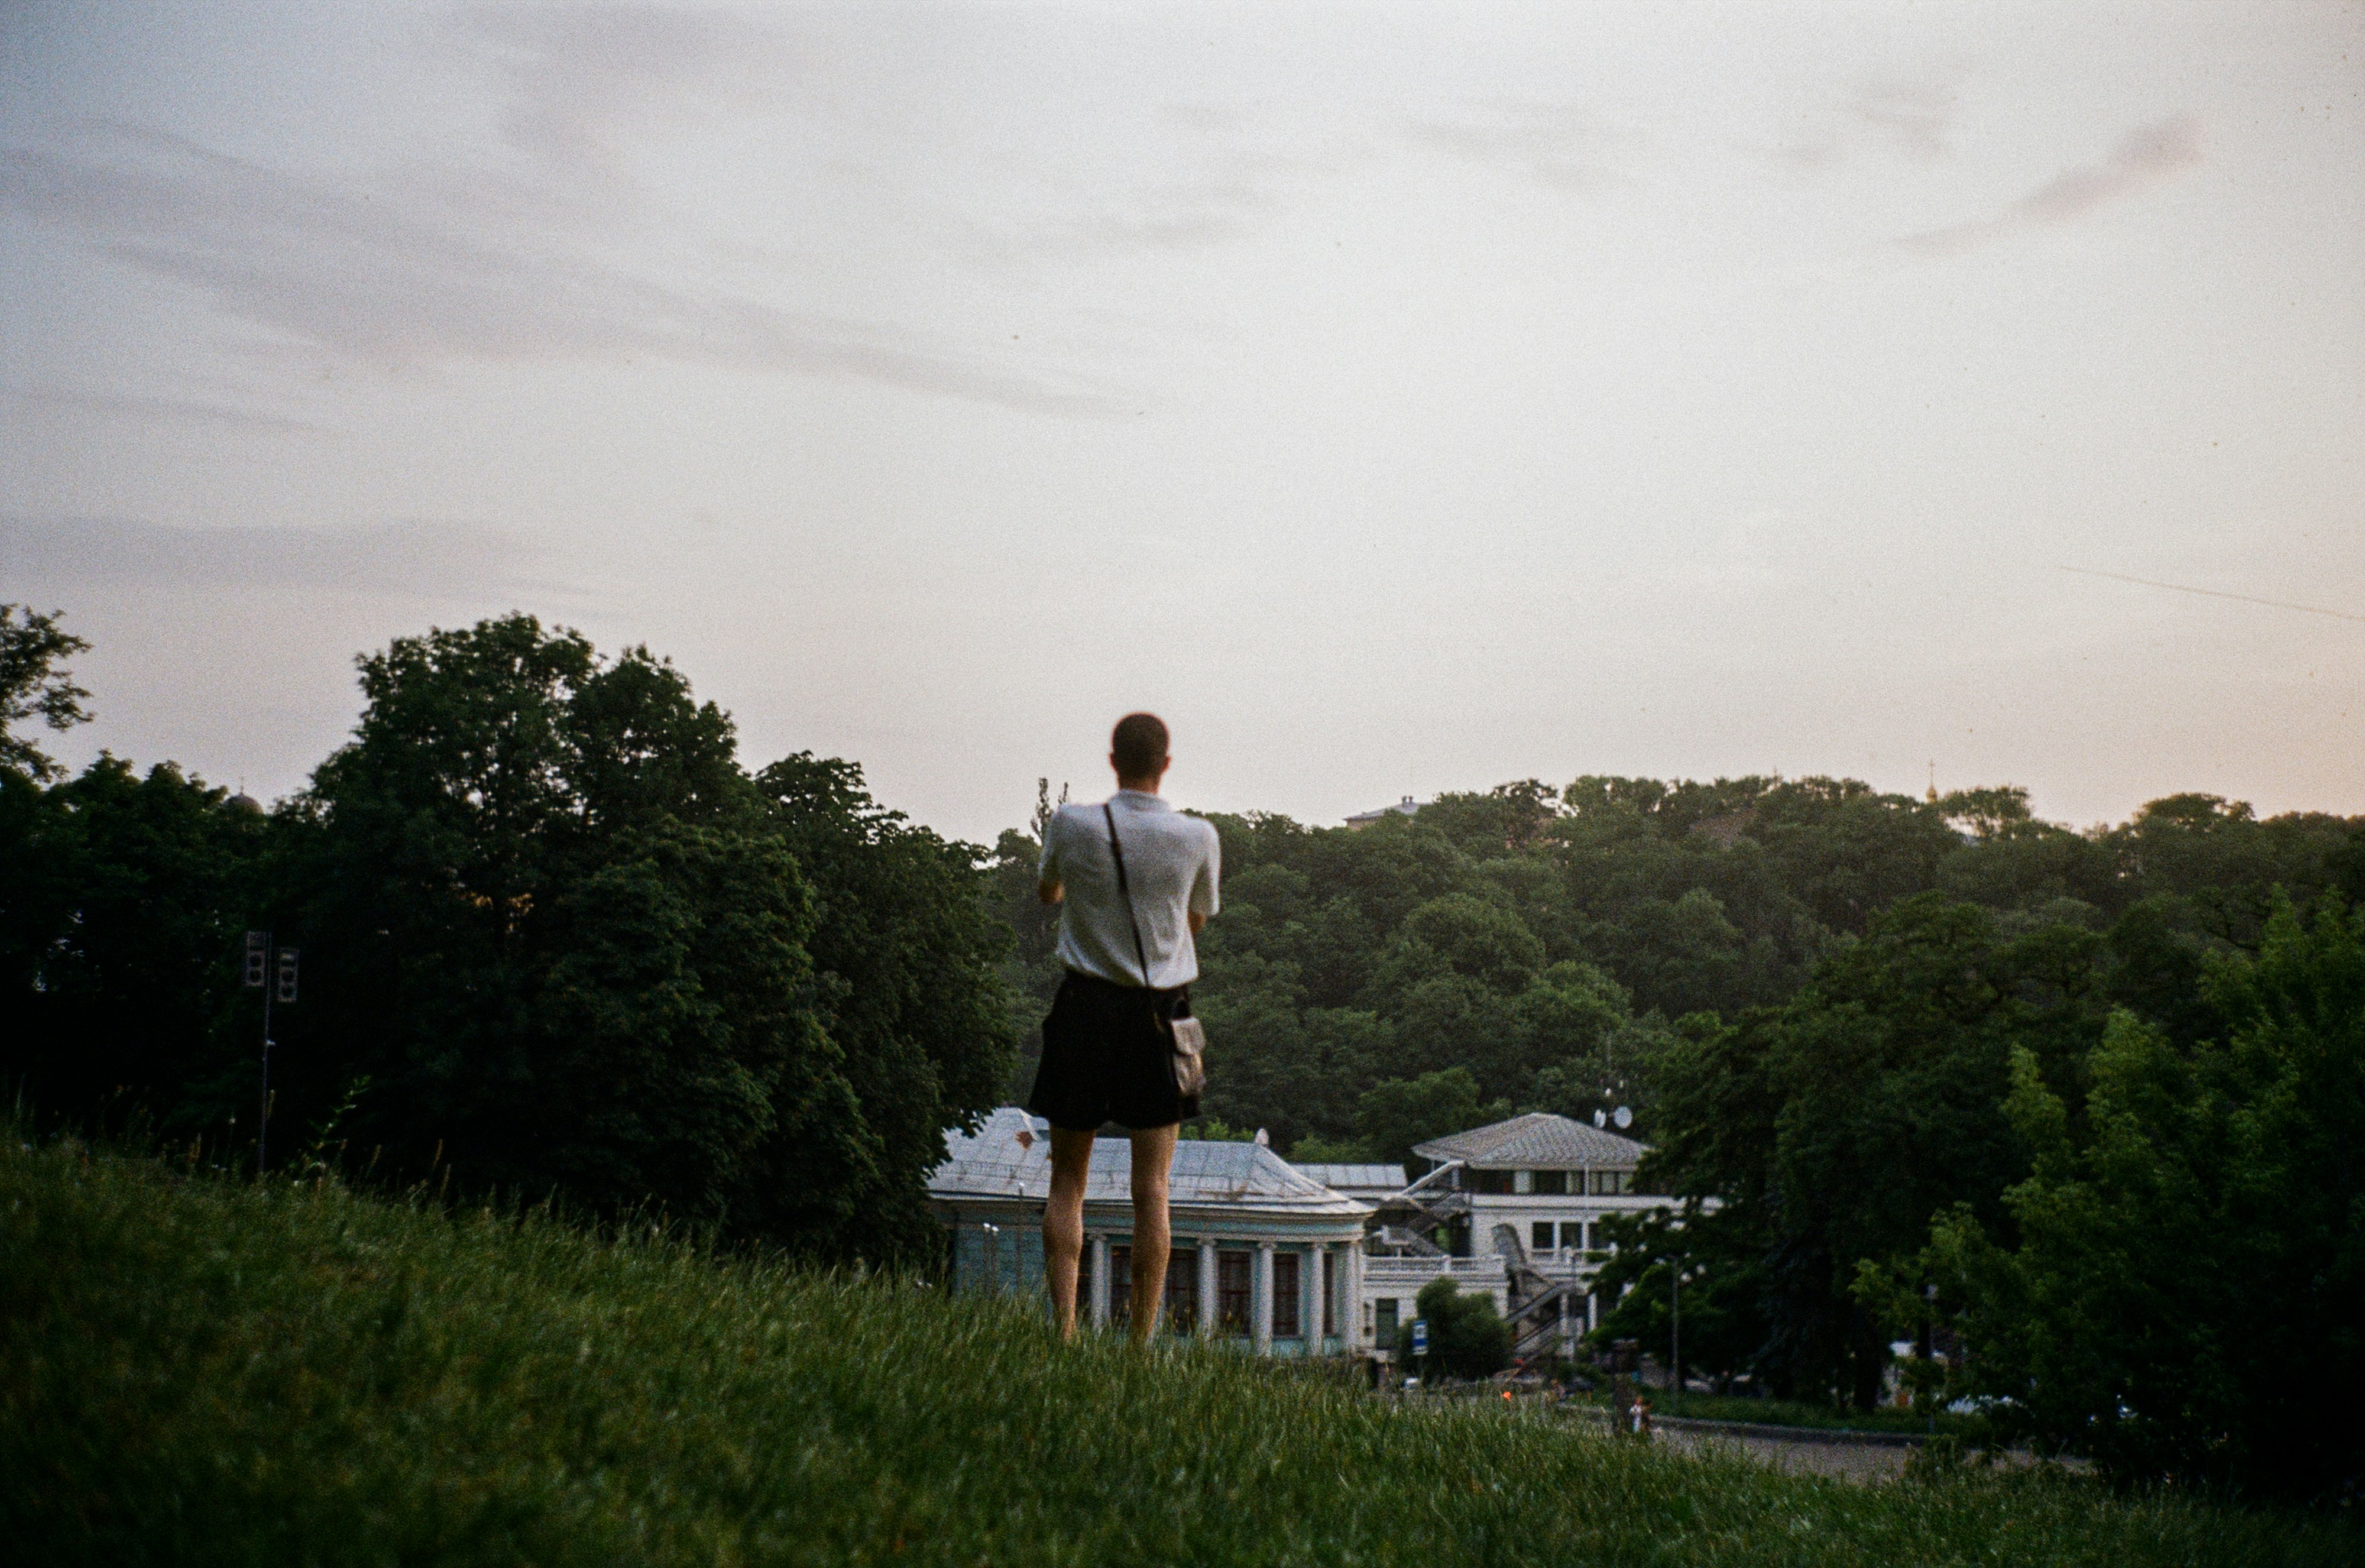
{"x":555,"y":939}
{"x":1542,"y":948}
{"x":1843,"y":1016}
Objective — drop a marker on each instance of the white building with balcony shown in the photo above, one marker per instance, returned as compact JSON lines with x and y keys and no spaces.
{"x":1512,"y":1210}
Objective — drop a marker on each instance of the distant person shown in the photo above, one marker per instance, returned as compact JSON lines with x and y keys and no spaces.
{"x":1107,"y":1046}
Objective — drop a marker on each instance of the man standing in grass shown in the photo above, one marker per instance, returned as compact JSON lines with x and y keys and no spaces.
{"x":1135,"y":883}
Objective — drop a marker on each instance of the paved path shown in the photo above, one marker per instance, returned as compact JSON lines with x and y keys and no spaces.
{"x":1801,"y":1455}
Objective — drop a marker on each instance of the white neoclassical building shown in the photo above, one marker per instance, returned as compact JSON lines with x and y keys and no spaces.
{"x":1262,"y":1254}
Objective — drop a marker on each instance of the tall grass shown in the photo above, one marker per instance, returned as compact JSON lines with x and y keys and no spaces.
{"x":198,"y":1372}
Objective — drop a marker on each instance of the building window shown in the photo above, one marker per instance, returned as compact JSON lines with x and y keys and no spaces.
{"x":1234,"y":1292}
{"x":1610,"y":1183}
{"x":1495,"y":1184}
{"x":1549,"y":1183}
{"x":1384,"y":1322}
{"x":1120,"y":1286}
{"x":1523,"y":1182}
{"x":1285,"y":1295}
{"x":1539,"y":1235}
{"x":1572,"y":1233}
{"x":1183,"y":1291}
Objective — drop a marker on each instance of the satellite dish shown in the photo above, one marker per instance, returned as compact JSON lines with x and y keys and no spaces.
{"x":1624,"y":1117}
{"x":1600,"y":1118}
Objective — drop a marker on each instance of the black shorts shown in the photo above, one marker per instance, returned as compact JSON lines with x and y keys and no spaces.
{"x":1107,"y":1057}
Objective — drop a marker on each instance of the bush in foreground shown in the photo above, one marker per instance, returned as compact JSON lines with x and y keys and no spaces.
{"x":195,"y":1372}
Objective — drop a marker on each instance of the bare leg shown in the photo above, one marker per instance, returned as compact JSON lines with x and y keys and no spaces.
{"x":1063,"y":1222}
{"x":1153,"y":1156}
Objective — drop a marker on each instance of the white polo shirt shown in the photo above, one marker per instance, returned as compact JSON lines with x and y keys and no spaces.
{"x":1170,"y":863}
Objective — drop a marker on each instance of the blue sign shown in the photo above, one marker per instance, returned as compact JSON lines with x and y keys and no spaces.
{"x":1420,"y":1336}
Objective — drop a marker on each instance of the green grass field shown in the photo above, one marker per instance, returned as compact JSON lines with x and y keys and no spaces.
{"x":200,"y":1371}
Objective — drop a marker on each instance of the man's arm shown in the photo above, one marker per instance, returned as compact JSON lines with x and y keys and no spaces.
{"x":1202,"y":901}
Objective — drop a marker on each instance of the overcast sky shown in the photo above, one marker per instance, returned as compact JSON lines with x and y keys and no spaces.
{"x":1398,"y":398}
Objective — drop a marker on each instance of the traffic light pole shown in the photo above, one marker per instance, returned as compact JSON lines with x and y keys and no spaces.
{"x":263,"y":1123}
{"x":278,"y":986}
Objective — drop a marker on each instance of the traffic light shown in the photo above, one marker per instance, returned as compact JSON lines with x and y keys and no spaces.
{"x":257,"y":958}
{"x":286,"y":974}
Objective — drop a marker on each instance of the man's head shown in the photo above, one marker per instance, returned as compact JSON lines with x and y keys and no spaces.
{"x":1137,"y":751}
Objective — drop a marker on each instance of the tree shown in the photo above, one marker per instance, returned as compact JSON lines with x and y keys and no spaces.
{"x":1467,"y":1337}
{"x":1724,"y":1290}
{"x":905,"y":944}
{"x":122,"y":898}
{"x":33,"y":686}
{"x":2187,"y":1295}
{"x":544,"y":919}
{"x":1833,"y":1128}
{"x":1393,"y":1115}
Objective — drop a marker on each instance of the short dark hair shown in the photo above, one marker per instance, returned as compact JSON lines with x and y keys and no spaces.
{"x":1138,"y":743}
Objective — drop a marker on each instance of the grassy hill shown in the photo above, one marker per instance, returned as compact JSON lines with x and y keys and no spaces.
{"x":195,"y":1372}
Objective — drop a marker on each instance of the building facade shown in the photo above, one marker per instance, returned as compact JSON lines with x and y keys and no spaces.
{"x":1319,"y":1260}
{"x":1262,"y":1255}
{"x":1511,"y":1209}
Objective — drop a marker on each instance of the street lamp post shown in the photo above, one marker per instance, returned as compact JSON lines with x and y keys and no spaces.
{"x":1676,"y":1353}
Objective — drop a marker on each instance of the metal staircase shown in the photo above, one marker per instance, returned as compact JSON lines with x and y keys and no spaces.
{"x":1534,"y":1317}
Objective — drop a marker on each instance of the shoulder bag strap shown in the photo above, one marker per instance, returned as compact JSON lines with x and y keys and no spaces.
{"x":1116,"y":852}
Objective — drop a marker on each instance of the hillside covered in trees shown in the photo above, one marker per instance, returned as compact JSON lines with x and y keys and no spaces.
{"x":555,"y":939}
{"x":2079,"y":1114}
{"x":1540,"y":948}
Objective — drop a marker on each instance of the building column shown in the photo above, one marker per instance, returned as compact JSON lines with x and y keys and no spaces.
{"x":1316,"y":1311}
{"x":1263,"y":1292}
{"x":1100,"y":1300}
{"x":1355,"y":1304}
{"x":1207,"y":1325}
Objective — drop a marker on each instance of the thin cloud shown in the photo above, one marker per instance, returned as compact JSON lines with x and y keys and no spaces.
{"x":171,"y":409}
{"x":2149,"y":155}
{"x":421,"y":558}
{"x":396,"y":274}
{"x":1916,"y":118}
{"x":1180,"y":217}
{"x":574,"y":77}
{"x":1554,"y":144}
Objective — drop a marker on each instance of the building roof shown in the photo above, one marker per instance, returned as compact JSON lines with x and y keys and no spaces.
{"x":1354,"y":1178}
{"x":1405,"y":808}
{"x":993,"y":1163}
{"x":1537,"y":1140}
